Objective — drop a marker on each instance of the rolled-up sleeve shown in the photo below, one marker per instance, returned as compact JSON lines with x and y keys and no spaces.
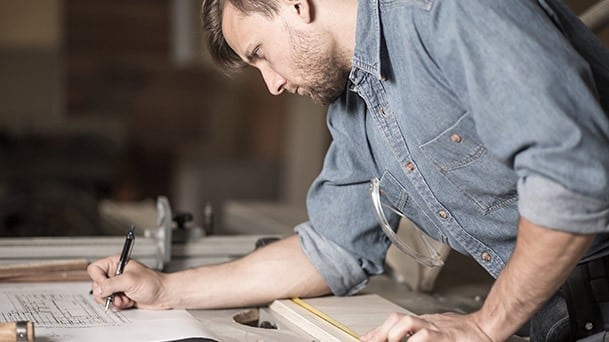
{"x":535,"y":103}
{"x":341,"y":271}
{"x":565,"y":211}
{"x":342,"y":239}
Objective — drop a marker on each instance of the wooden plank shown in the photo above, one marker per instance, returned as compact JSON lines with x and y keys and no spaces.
{"x":80,"y":275}
{"x":50,"y":266}
{"x":360,"y":314}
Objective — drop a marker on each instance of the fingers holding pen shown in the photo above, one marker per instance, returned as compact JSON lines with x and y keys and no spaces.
{"x":120,"y":286}
{"x":121,"y":301}
{"x":138,"y":286}
{"x":105,"y":283}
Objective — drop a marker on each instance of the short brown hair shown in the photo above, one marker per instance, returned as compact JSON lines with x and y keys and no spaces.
{"x":211,"y":16}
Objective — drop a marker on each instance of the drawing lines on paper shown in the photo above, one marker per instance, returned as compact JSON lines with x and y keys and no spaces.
{"x":58,"y":310}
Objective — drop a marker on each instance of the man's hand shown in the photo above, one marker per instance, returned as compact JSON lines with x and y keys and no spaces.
{"x":438,"y":327}
{"x":138,"y":286}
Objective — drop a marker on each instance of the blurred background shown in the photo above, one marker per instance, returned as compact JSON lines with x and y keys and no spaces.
{"x":110,"y":102}
{"x":105,"y":104}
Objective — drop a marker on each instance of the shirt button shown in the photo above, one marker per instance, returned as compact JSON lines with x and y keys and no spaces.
{"x":486,"y":256}
{"x":443,"y":214}
{"x":409,"y":166}
{"x":456,"y":138}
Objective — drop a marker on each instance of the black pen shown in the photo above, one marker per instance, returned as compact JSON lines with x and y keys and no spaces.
{"x":125,"y":254}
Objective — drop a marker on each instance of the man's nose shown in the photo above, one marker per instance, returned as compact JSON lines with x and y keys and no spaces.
{"x":274,"y":81}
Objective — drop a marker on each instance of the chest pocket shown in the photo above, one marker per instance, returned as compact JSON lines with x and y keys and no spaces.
{"x":461,"y":157}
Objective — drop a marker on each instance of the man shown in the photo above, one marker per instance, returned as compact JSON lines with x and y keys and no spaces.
{"x":486,"y":122}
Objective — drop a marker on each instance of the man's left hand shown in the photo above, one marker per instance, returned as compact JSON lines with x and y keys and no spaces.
{"x":437,"y":327}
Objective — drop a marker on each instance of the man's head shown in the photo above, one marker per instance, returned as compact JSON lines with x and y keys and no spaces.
{"x":284,"y":39}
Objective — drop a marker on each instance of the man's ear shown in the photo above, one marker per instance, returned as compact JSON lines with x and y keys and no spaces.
{"x":301,"y":8}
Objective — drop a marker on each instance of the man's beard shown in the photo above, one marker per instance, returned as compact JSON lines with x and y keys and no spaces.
{"x":323,"y":77}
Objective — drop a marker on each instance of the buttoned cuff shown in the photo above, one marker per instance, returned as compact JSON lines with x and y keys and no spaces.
{"x":341,"y":271}
{"x":550,"y":205}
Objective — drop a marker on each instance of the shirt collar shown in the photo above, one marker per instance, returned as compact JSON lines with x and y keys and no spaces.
{"x":367,"y":54}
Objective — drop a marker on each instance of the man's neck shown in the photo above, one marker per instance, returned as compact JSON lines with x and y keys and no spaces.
{"x":339,"y":18}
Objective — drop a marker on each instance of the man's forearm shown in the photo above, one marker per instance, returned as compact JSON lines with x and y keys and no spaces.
{"x":279,"y":270}
{"x":541,"y":262}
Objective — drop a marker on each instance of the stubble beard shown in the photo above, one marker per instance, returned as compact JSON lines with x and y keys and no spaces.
{"x":323,"y":76}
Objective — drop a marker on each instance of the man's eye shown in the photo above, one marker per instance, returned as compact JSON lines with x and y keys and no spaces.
{"x":256,"y":53}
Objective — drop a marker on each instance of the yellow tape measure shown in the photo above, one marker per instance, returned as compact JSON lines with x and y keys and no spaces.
{"x":325,"y":317}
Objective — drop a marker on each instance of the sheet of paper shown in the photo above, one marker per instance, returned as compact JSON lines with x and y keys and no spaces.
{"x":66,"y":312}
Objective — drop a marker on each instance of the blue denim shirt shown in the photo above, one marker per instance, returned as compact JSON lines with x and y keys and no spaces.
{"x":484,"y":110}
